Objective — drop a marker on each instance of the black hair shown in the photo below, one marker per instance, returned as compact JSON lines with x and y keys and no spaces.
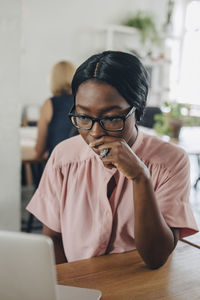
{"x":123,"y":71}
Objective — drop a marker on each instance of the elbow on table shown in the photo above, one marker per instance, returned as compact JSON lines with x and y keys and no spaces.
{"x":155,"y":263}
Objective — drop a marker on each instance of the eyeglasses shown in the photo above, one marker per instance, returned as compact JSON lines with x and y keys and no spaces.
{"x":115,"y":123}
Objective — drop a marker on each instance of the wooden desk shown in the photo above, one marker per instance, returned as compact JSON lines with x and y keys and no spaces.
{"x":125,"y":277}
{"x":33,"y":168}
{"x":28,"y":137}
{"x":193,"y":240}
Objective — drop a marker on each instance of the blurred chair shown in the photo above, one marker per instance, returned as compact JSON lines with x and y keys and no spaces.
{"x":31,"y":169}
{"x":36,"y":169}
{"x":148,"y":117}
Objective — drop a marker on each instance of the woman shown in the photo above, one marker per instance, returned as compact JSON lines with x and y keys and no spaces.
{"x":113,"y":188}
{"x":53,"y":126}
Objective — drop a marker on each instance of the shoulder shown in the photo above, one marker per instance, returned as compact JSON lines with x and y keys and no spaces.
{"x":72,"y":150}
{"x":157,"y":151}
{"x":47,"y":104}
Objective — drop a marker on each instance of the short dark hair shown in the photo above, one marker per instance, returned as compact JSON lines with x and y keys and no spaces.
{"x":122,"y":70}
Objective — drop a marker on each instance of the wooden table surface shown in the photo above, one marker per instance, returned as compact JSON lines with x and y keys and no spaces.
{"x":28,"y":137}
{"x":193,"y":240}
{"x":125,"y":277}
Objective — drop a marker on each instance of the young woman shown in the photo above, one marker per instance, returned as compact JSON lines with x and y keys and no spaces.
{"x":113,"y":188}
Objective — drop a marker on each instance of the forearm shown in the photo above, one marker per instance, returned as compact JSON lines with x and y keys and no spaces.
{"x":42,"y":130}
{"x":40,"y":150}
{"x":154,"y":239}
{"x":58,"y":244}
{"x":59,"y":251}
{"x":40,"y":157}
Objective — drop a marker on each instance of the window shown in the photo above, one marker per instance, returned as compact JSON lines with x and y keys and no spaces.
{"x":185,"y":71}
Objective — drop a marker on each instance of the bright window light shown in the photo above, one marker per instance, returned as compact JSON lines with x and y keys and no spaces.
{"x":185,"y":87}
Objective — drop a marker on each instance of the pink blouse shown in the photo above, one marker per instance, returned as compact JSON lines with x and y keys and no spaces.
{"x":72,"y":196}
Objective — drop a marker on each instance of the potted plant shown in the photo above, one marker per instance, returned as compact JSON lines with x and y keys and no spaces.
{"x":144,"y":22}
{"x":170,"y":122}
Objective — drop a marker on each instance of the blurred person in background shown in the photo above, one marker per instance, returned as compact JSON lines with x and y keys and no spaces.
{"x":54,"y":125}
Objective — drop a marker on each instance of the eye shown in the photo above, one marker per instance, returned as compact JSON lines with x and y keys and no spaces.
{"x":83,"y":119}
{"x":114,"y":123}
{"x":112,"y":119}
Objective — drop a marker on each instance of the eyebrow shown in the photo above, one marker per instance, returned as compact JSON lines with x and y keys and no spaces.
{"x":103,"y":110}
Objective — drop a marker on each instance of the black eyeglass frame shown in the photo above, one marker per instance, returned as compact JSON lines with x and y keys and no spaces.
{"x":99,"y":120}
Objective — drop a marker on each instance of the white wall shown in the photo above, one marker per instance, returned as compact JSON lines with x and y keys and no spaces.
{"x":62,"y":29}
{"x":10,"y":26}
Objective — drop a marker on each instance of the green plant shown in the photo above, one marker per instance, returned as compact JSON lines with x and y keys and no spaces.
{"x":176,"y":116}
{"x":146,"y":25}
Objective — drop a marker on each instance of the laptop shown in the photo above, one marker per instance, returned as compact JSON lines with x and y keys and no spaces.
{"x":28,"y":272}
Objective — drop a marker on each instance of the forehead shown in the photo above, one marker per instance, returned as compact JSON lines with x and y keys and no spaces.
{"x":99,"y":96}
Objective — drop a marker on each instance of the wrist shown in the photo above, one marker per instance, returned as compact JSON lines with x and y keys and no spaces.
{"x":143,"y":176}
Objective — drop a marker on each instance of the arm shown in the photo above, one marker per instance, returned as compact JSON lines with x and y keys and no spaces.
{"x":58,"y":245}
{"x":155,"y":240}
{"x":46,"y":113}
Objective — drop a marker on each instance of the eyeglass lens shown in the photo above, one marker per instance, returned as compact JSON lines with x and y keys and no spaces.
{"x":108,"y":124}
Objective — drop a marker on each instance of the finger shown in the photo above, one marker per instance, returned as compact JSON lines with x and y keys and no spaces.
{"x":108,"y":160}
{"x":104,"y":152}
{"x":95,"y":144}
{"x":103,"y":149}
{"x":108,"y":165}
{"x":103,"y":140}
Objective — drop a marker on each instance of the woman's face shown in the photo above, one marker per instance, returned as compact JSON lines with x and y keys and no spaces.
{"x":98,"y":100}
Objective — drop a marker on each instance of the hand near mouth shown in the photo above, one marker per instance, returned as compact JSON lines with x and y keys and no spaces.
{"x":104,"y":152}
{"x":115,"y":152}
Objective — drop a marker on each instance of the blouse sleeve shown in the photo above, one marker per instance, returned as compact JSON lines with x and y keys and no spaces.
{"x":45,"y":203}
{"x":173,"y":194}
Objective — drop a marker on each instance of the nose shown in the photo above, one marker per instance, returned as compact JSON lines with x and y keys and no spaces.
{"x":97,"y":131}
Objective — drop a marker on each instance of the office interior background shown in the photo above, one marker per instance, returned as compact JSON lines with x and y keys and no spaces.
{"x":34,"y":35}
